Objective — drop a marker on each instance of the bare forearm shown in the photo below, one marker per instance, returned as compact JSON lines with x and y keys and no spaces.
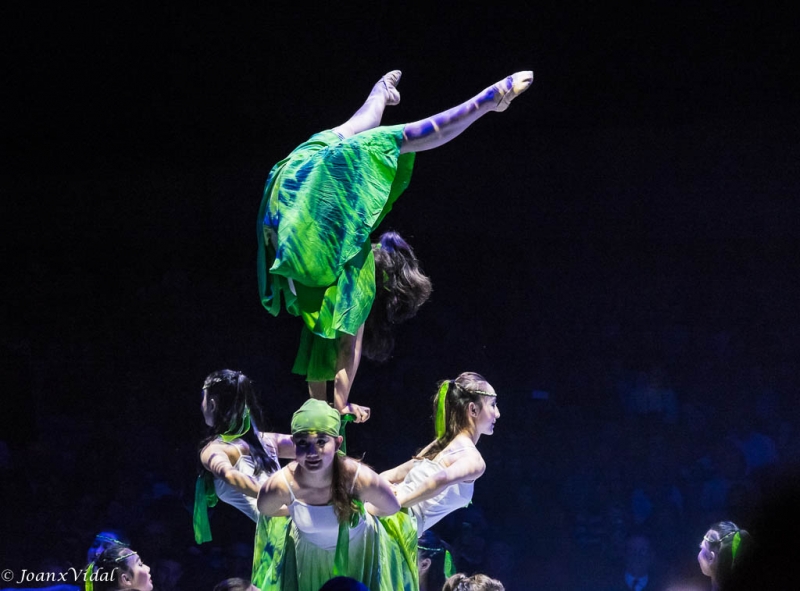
{"x":398,"y":474}
{"x":379,"y":512}
{"x":427,"y":489}
{"x":241,"y":482}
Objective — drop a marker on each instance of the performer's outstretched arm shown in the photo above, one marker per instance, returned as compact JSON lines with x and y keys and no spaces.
{"x":397,"y":474}
{"x":216,"y":460}
{"x":377,"y":494}
{"x":273,"y":496}
{"x":470,"y":467}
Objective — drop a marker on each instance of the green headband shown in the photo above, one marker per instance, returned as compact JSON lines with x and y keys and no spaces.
{"x":316,"y":415}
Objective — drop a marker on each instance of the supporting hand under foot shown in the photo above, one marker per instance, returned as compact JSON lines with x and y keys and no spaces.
{"x":361,"y":413}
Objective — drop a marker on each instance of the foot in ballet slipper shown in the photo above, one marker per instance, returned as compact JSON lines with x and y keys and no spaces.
{"x":387,"y":86}
{"x":507,"y":90}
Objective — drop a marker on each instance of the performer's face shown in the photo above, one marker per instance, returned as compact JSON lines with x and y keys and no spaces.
{"x":315,"y":451}
{"x":488,"y":414}
{"x":138,"y":575}
{"x":706,"y":556}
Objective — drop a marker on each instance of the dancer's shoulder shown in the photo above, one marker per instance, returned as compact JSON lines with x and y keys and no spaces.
{"x":459,"y":446}
{"x":217,"y":447}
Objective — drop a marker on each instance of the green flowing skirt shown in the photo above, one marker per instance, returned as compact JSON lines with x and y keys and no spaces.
{"x":320,"y":206}
{"x":384,"y":557}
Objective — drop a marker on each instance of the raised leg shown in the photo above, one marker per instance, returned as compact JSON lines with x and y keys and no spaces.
{"x":437,"y":130}
{"x":383,"y":94}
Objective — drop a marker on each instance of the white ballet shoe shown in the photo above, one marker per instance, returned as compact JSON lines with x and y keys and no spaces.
{"x":508,"y":89}
{"x":389,"y":82}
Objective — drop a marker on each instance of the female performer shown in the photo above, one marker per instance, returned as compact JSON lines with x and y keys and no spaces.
{"x":237,"y":456}
{"x":330,"y":533}
{"x":434,"y":562}
{"x":118,"y":568}
{"x":477,"y":582}
{"x":442,"y":477}
{"x":320,"y":205}
{"x":721,"y":552}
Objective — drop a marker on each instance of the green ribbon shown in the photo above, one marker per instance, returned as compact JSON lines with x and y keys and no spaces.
{"x":441,"y":421}
{"x":88,"y":576}
{"x":341,"y":558}
{"x":737,"y":540}
{"x":231,"y":435}
{"x":348,"y":418}
{"x":205,"y":495}
{"x":449,"y":567}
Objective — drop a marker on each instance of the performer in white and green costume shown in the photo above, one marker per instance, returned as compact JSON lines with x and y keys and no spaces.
{"x":319,"y":207}
{"x":333,"y":529}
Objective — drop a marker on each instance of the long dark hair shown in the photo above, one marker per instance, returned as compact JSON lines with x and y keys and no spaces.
{"x":341,"y":486}
{"x":401,"y":288}
{"x":233,"y":393}
{"x":460,"y":392}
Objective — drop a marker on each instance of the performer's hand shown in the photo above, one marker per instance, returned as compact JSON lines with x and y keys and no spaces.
{"x":361,"y":413}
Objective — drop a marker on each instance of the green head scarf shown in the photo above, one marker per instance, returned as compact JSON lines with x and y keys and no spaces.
{"x":316,"y":415}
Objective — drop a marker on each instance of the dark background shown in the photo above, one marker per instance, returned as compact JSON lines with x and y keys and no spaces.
{"x":634,"y":211}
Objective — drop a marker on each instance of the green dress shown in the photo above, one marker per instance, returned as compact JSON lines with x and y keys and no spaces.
{"x":383,"y":555}
{"x":320,"y":205}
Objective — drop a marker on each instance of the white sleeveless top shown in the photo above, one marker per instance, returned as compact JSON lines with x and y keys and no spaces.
{"x":433,"y":510}
{"x":318,"y":523}
{"x":237,"y":498}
